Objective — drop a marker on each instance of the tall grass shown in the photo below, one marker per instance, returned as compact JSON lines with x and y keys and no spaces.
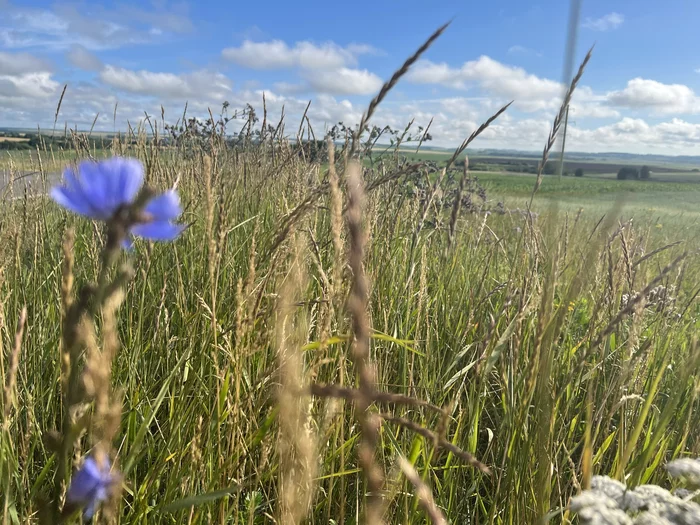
{"x":490,"y":361}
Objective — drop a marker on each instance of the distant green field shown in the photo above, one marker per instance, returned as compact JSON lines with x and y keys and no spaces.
{"x":664,"y":204}
{"x":670,"y":176}
{"x":672,"y":193}
{"x":571,"y":161}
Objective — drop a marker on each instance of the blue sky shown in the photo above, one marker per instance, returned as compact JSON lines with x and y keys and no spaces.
{"x":638,"y":94}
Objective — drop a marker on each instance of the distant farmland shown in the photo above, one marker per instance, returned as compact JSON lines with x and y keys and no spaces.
{"x":589,"y":167}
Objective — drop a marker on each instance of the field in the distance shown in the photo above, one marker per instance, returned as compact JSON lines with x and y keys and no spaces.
{"x":665,"y":168}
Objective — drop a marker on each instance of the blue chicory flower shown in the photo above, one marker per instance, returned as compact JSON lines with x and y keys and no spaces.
{"x":100,"y":189}
{"x":90,"y":486}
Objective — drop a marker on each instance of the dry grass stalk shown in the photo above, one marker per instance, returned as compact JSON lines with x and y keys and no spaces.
{"x":296,"y":443}
{"x":107,"y":409}
{"x":425,"y":134}
{"x":66,"y":300}
{"x":558,"y":120}
{"x":13,"y":365}
{"x":357,"y":306}
{"x":458,"y":202}
{"x":654,"y":252}
{"x":353,"y":394}
{"x":336,"y":209}
{"x":425,"y":497}
{"x":435,"y":438}
{"x":475,"y":134}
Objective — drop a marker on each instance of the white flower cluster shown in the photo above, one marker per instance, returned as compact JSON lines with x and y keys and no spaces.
{"x":659,"y":298}
{"x":610,"y":502}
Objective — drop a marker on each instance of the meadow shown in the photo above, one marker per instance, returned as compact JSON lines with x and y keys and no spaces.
{"x":327,"y":343}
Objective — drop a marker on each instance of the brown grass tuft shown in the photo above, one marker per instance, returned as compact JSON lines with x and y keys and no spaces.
{"x":357,"y":306}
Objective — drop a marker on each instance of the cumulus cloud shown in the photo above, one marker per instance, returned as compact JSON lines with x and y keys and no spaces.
{"x":84,"y":59}
{"x":28,"y":86}
{"x":24,"y":77}
{"x":345,"y":81}
{"x":276,"y":54}
{"x":324,"y":68}
{"x":290,"y":88}
{"x":200,"y":84}
{"x":530,"y":92}
{"x":604,"y":23}
{"x":460,"y":106}
{"x":21,"y":63}
{"x":657,"y":97}
{"x":629,"y":134}
{"x":592,"y":110}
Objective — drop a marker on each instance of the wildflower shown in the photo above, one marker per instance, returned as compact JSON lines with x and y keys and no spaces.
{"x":595,"y":508}
{"x":90,"y":486}
{"x":108,"y":189}
{"x":685,"y":468}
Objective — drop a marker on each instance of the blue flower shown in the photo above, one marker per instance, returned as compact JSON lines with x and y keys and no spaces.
{"x":90,"y":486}
{"x":100,"y":190}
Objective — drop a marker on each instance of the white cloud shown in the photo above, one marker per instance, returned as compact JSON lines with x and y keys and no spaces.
{"x":427,"y":72}
{"x":530,"y":92}
{"x":24,"y":77}
{"x":201,"y":84}
{"x":522,"y":50}
{"x":636,"y":135}
{"x":604,"y":23}
{"x":84,"y":59}
{"x":459,"y":106}
{"x":28,"y":86}
{"x":327,"y":110}
{"x":276,"y":54}
{"x":364,"y":49}
{"x":21,"y":63}
{"x":657,"y":97}
{"x":289,"y":88}
{"x":680,"y":128}
{"x":592,"y":110}
{"x":92,"y":26}
{"x":324,"y":68}
{"x":501,"y":82}
{"x":344,"y":81}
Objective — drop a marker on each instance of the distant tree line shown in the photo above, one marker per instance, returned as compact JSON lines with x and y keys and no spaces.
{"x":630,"y":172}
{"x":35,"y":141}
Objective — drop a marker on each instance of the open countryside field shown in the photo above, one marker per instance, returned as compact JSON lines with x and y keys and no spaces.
{"x":243,"y":283}
{"x":502,"y":320}
{"x":638,"y":196}
{"x":248,"y":328}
